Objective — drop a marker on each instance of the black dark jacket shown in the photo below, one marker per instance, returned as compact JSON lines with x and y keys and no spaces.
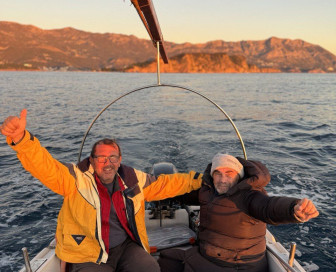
{"x":233,"y":225}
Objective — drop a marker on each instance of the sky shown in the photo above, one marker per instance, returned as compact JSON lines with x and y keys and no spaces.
{"x":194,"y":21}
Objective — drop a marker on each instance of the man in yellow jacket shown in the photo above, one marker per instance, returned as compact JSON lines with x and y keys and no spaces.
{"x":101,"y":225}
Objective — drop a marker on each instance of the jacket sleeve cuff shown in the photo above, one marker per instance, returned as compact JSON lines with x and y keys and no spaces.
{"x":27,"y":136}
{"x":298,"y":219}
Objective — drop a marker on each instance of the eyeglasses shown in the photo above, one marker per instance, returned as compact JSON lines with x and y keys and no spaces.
{"x":224,"y":174}
{"x":103,"y":159}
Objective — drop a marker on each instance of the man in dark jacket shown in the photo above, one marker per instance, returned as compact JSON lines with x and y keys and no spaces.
{"x":234,"y":210}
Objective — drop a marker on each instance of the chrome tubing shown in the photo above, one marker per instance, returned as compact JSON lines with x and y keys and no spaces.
{"x":158,"y":86}
{"x":26,"y":260}
{"x":158,"y":62}
{"x":292,"y":253}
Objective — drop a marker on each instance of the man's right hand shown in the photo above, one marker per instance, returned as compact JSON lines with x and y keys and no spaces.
{"x":14,"y":126}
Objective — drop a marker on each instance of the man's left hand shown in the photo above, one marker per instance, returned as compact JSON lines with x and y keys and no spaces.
{"x":305,"y":210}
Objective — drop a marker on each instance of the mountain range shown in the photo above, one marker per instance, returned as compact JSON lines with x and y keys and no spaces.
{"x":30,"y":47}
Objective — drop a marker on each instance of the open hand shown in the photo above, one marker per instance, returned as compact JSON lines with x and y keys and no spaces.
{"x":305,"y":210}
{"x":14,"y":126}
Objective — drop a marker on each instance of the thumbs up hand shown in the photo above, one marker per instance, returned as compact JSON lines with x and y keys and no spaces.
{"x":14,"y":126}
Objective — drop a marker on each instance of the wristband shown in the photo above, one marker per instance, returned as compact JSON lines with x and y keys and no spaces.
{"x":15,"y":143}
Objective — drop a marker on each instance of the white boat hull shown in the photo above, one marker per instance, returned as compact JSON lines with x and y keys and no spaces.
{"x":172,"y":232}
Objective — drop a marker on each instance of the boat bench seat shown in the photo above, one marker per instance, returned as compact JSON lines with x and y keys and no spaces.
{"x":173,"y":232}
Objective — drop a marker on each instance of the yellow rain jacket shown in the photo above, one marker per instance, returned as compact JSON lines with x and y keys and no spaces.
{"x":78,"y":232}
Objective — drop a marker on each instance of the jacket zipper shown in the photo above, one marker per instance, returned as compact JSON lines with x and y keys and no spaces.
{"x":96,"y":231}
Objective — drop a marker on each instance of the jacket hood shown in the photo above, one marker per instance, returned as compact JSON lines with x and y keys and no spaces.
{"x":84,"y":165}
{"x":256,"y":177}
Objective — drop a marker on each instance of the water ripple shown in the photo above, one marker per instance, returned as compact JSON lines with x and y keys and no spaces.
{"x":287,"y":121}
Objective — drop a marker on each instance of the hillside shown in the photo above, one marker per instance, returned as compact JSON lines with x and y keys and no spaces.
{"x":201,"y":63}
{"x":29,"y":47}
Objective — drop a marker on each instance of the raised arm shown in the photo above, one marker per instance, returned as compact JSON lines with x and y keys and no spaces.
{"x":35,"y":158}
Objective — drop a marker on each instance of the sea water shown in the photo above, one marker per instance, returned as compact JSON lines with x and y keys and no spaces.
{"x":286,"y":121}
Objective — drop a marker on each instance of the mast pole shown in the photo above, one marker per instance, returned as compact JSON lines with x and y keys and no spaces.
{"x":158,"y":62}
